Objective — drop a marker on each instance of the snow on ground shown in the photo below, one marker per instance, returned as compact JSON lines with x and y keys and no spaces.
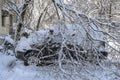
{"x":10,"y":69}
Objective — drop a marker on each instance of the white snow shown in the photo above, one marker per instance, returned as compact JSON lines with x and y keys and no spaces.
{"x":115,"y":45}
{"x":1,"y":48}
{"x":34,"y":38}
{"x":9,"y":39}
{"x":10,"y":69}
{"x":23,"y":44}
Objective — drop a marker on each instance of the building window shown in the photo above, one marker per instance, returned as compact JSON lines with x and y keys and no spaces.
{"x":3,"y":21}
{"x":11,"y":20}
{"x":4,"y":15}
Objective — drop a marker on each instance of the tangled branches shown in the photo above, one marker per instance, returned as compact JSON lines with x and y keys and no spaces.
{"x":62,"y":45}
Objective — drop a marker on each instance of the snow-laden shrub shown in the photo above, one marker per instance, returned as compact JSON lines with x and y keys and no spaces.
{"x":7,"y":45}
{"x":61,"y":44}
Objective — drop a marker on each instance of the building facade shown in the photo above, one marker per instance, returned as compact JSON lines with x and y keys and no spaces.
{"x":7,"y":20}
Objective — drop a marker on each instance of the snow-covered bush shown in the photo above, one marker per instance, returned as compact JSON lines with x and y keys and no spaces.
{"x":61,"y":44}
{"x":7,"y":45}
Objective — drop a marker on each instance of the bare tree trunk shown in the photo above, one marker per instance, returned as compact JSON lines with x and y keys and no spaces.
{"x":22,"y":16}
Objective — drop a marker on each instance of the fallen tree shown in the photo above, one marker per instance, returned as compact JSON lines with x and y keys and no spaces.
{"x":62,"y":44}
